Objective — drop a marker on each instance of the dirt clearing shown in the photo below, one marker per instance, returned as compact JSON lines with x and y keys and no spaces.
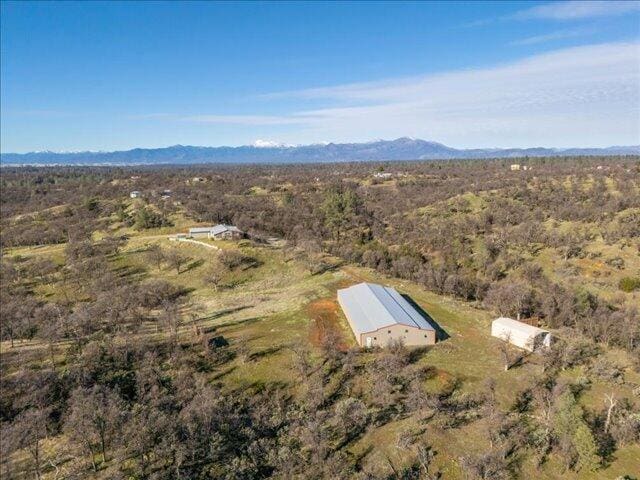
{"x":324,"y":313}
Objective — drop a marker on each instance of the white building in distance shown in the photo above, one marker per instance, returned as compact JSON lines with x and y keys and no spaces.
{"x":383,"y":175}
{"x":218,"y":232}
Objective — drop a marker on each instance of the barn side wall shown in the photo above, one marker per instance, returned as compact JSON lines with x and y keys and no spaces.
{"x":518,"y":338}
{"x":410,"y":336}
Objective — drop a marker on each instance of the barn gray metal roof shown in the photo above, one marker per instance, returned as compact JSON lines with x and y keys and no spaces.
{"x":370,"y":307}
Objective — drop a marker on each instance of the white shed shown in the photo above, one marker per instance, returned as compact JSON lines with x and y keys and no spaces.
{"x":520,"y":334}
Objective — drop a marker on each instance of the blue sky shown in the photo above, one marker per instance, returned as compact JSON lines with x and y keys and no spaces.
{"x":106,"y":76}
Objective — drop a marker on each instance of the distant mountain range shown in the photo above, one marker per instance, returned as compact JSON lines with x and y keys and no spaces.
{"x":399,"y":149}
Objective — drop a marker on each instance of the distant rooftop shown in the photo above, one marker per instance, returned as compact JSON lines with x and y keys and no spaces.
{"x":221,"y":228}
{"x":200,"y":229}
{"x":216,"y":229}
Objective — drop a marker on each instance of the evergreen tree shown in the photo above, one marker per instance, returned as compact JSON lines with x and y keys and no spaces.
{"x":339,"y":209}
{"x":573,"y":430}
{"x":586,"y":447}
{"x":148,"y":218}
{"x":568,"y":415}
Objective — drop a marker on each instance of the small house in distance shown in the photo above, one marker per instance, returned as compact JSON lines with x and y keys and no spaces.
{"x":515,"y":167}
{"x":383,"y":175}
{"x":378,"y":315}
{"x":227,"y":232}
{"x":218,"y":232}
{"x":135,"y":194}
{"x":520,"y":334}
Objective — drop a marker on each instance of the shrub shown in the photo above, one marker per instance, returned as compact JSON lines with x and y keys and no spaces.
{"x":616,"y":262}
{"x":148,"y":218}
{"x":629,"y":284}
{"x":607,"y":370}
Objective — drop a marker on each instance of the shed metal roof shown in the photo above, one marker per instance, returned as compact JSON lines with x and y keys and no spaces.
{"x":221,"y":228}
{"x":518,"y":326}
{"x":370,"y":307}
{"x":216,"y":229}
{"x":200,"y":229}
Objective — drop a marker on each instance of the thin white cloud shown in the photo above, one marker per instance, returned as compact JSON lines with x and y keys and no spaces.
{"x":572,"y":10}
{"x":150,"y":116}
{"x":42,"y":113}
{"x":549,"y":37}
{"x":582,"y":96}
{"x":578,"y":9}
{"x":243,"y":119}
{"x":613,"y":63}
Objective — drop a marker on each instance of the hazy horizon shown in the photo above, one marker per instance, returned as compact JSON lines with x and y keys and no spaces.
{"x":259,"y":143}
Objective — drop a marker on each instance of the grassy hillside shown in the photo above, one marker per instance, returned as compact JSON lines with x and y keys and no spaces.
{"x":278,"y":305}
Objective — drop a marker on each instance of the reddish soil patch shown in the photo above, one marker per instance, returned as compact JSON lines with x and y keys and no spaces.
{"x":344,"y":283}
{"x":324,"y":313}
{"x":443,"y":376}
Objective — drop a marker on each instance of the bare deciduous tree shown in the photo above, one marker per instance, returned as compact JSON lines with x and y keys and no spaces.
{"x":155,"y":255}
{"x":176,"y":259}
{"x":27,"y":431}
{"x":95,"y":417}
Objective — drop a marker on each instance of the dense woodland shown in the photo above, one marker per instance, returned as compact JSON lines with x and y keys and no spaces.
{"x":127,"y":407}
